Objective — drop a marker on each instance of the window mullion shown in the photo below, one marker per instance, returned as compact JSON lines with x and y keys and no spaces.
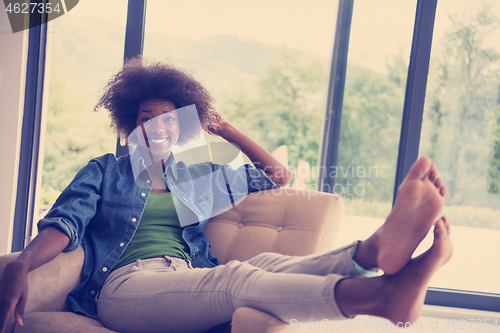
{"x":30,"y":135}
{"x":416,"y":85}
{"x":331,"y":133}
{"x":134,"y":43}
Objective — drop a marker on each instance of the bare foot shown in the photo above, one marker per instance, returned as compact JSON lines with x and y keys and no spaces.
{"x":437,"y":180}
{"x":419,"y":203}
{"x":398,"y":297}
{"x":405,"y":292}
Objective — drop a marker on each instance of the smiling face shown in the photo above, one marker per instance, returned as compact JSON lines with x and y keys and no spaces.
{"x":160,"y":127}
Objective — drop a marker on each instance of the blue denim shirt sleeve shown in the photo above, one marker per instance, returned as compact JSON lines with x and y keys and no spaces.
{"x":258,"y":180}
{"x":76,"y":205}
{"x":230,"y":184}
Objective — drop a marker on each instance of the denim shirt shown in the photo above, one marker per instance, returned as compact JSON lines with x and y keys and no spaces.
{"x":102,"y":206}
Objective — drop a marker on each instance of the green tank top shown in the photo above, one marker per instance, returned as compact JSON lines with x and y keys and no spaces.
{"x":159,"y":232}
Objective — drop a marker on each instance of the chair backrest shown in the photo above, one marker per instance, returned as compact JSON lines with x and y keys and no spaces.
{"x":286,"y":221}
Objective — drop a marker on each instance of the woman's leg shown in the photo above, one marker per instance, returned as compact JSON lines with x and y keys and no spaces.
{"x":338,"y":261}
{"x":154,"y":296}
{"x":162,"y":298}
{"x":417,"y":208}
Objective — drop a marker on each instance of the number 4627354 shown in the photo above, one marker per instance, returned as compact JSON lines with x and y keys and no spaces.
{"x":33,"y":7}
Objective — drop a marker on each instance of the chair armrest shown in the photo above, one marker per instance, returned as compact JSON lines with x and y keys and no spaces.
{"x":4,"y":260}
{"x":49,"y":284}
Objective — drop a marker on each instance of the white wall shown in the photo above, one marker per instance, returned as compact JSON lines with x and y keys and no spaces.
{"x":12,"y":78}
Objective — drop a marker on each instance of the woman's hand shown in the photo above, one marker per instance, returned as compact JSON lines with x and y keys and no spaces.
{"x":13,"y":293}
{"x":14,"y":282}
{"x":218,"y":126}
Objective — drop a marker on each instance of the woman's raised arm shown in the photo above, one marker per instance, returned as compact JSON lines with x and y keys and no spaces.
{"x":259,"y":156}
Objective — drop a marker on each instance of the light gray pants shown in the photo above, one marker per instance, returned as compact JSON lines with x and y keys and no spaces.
{"x":168,"y":295}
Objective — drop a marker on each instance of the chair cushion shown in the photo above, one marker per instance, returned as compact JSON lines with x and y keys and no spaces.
{"x":59,"y":322}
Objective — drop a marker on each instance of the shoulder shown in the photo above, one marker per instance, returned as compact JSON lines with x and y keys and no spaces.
{"x":110,"y":160}
{"x":106,"y":166}
{"x":104,"y":160}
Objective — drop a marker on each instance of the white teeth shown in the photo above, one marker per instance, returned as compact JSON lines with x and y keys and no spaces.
{"x":159,"y":140}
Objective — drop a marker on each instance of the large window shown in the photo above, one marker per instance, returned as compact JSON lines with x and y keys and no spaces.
{"x":266,"y":62}
{"x":377,"y":65}
{"x":461,"y":132}
{"x":85,"y":50}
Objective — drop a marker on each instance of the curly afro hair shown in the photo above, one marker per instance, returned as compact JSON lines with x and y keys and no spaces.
{"x":138,"y":81}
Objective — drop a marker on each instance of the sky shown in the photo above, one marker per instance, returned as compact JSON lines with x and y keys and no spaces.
{"x":380,"y":28}
{"x":283,"y":22}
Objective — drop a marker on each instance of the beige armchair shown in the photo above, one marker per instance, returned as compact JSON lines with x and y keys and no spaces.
{"x":285,"y":221}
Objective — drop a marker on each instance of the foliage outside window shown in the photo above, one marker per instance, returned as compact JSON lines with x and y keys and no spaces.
{"x":461,"y":129}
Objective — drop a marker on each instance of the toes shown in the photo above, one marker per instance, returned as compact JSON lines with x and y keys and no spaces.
{"x":446,"y":225}
{"x":420,"y":168}
{"x":443,"y":190}
{"x":433,"y":172}
{"x":438,"y":181}
{"x":439,"y":228}
{"x":439,"y":233}
{"x":434,"y":176}
{"x":442,"y":227}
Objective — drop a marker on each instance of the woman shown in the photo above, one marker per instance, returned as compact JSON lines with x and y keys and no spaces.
{"x":159,"y":275}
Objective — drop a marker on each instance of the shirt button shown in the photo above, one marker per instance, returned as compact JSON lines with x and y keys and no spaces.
{"x":92,"y":292}
{"x":148,"y":181}
{"x":143,"y":194}
{"x":122,"y":244}
{"x":104,"y":269}
{"x":134,"y":219}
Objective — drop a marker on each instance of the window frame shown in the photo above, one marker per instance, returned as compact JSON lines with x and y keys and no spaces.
{"x":333,"y":117}
{"x":30,"y":149}
{"x":30,"y":133}
{"x":134,"y":45}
